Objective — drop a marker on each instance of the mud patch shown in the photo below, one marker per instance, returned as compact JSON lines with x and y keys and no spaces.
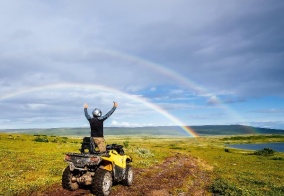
{"x":177,"y":175}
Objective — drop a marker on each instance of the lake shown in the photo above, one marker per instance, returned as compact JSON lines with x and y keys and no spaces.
{"x":279,"y":146}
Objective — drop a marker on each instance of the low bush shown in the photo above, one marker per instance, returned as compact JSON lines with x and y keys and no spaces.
{"x":278,"y":158}
{"x":265,"y":152}
{"x":126,"y":144}
{"x":144,"y":153}
{"x":41,"y":139}
{"x":221,"y":186}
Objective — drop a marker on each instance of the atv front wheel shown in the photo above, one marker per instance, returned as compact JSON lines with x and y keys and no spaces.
{"x":102,"y":183}
{"x":128,"y":180}
{"x":67,"y":180}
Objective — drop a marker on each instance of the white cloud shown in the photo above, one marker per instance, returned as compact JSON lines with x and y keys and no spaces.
{"x":128,"y":124}
{"x":225,"y":47}
{"x":213,"y":100}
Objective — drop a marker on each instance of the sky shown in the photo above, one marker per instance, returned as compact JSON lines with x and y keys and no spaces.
{"x":165,"y":62}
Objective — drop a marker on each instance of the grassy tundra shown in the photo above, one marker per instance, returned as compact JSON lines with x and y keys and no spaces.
{"x":30,"y":164}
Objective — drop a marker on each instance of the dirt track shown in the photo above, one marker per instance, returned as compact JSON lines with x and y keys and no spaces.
{"x":177,"y":175}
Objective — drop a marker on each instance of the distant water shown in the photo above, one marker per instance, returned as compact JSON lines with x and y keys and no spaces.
{"x":279,"y":146}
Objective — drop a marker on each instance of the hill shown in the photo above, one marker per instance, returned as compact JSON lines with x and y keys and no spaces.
{"x":206,"y":130}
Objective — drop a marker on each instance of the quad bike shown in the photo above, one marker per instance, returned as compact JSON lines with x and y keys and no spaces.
{"x":97,"y":171}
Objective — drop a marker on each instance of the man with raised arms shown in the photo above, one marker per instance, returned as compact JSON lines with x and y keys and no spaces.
{"x":97,"y":125}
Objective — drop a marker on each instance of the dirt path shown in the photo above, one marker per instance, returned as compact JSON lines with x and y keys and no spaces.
{"x":177,"y":175}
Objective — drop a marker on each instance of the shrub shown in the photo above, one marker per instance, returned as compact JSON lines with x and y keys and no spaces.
{"x":144,"y":153}
{"x":126,"y":144}
{"x":278,"y":158}
{"x":41,"y":139}
{"x":264,"y":152}
{"x":223,"y":187}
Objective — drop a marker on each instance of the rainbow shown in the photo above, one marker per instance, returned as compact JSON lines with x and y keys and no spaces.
{"x":139,"y":99}
{"x":172,"y":74}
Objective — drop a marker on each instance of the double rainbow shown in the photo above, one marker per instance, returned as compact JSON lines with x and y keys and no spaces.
{"x":93,"y":87}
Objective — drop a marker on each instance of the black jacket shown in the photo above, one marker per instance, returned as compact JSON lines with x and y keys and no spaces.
{"x":97,"y":123}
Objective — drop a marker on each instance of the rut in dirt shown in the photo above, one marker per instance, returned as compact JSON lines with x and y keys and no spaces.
{"x":176,"y":175}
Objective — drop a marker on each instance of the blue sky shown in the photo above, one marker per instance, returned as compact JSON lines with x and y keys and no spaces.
{"x":165,"y":62}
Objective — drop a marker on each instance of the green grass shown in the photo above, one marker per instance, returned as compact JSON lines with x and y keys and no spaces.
{"x":33,"y":163}
{"x":240,"y":172}
{"x":28,"y":165}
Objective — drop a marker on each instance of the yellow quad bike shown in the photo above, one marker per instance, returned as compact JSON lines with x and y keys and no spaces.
{"x":97,"y":171}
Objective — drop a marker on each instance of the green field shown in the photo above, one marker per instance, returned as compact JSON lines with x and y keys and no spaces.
{"x":31,"y":164}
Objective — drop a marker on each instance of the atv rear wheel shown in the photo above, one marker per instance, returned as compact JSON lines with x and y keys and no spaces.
{"x":67,"y":180}
{"x":102,"y":183}
{"x":128,"y":180}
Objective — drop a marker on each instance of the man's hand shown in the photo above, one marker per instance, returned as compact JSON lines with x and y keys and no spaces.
{"x":86,"y":105}
{"x":115,"y":104}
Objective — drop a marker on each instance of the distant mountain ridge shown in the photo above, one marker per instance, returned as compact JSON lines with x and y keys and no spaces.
{"x":205,"y":130}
